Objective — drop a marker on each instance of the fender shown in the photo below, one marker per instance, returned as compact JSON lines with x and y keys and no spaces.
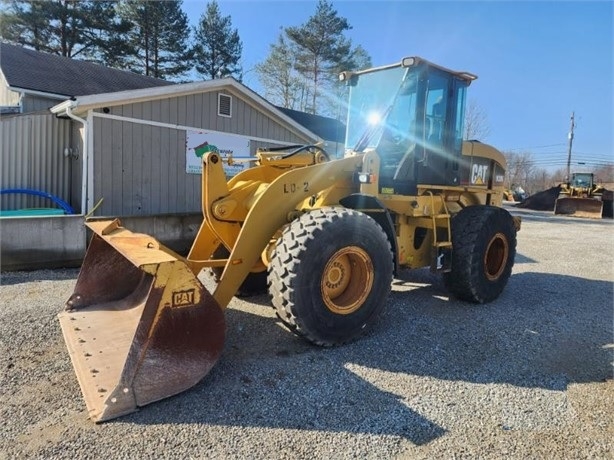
{"x":375,"y":209}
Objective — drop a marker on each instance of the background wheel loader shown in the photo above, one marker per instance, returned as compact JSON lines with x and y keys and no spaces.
{"x":581,"y":197}
{"x":325,"y":236}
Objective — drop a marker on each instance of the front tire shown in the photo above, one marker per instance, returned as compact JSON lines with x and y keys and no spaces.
{"x":330,"y":275}
{"x":483,"y":252}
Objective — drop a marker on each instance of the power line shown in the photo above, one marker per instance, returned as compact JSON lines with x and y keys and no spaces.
{"x":604,"y":157}
{"x":536,"y":147}
{"x":585,"y":153}
{"x":559,"y":160}
{"x":577,"y":158}
{"x":560,"y":152}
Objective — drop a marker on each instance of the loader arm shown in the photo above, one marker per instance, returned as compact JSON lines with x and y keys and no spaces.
{"x":269,"y":212}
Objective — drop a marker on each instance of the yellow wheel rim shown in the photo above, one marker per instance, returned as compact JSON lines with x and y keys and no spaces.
{"x":347,"y":280}
{"x":495,"y":258}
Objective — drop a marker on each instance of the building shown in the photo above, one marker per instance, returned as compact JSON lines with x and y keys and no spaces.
{"x":137,"y":148}
{"x":114,"y":143}
{"x":120,"y":137}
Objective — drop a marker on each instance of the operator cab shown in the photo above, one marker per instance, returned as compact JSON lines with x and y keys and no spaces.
{"x":412,"y":114}
{"x":582,"y":180}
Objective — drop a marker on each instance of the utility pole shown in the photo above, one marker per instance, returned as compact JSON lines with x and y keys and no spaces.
{"x":569,"y":148}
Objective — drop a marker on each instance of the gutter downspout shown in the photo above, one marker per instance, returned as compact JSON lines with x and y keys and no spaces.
{"x":84,"y":172}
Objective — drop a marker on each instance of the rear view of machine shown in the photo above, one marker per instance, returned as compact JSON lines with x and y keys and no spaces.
{"x":324,"y":236}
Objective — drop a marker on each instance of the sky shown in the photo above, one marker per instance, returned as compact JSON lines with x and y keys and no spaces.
{"x":536,"y":61}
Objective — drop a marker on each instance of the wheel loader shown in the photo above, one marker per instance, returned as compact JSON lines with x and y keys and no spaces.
{"x":325,"y":236}
{"x":582,"y":197}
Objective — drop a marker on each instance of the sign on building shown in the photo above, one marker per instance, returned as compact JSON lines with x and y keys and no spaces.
{"x":200,"y":142}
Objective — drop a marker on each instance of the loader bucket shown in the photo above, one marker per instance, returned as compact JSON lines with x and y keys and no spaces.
{"x":579,"y":207}
{"x":139,"y":326}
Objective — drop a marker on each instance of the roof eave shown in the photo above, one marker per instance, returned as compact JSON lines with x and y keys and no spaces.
{"x":63,"y":107}
{"x":83,"y":104}
{"x":37,"y":93}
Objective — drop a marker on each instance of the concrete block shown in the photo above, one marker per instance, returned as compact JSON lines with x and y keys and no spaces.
{"x":29,"y":243}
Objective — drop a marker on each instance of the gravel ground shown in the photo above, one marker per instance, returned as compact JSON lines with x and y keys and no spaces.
{"x":527,"y":376}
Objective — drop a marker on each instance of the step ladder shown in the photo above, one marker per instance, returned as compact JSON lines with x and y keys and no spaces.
{"x":441,"y":260}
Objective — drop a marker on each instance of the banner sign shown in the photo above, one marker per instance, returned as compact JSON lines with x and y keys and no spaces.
{"x":200,"y":142}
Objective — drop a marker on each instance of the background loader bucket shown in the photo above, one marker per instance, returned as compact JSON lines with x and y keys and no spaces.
{"x":140,"y":326}
{"x":579,"y":207}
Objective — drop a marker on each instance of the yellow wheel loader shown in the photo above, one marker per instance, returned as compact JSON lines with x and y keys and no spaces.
{"x":581,"y":197}
{"x":324,"y":235}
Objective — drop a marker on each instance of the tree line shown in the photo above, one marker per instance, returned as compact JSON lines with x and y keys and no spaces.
{"x":154,"y":38}
{"x":523,"y":170}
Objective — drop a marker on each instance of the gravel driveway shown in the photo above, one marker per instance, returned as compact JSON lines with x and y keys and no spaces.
{"x":527,"y":376}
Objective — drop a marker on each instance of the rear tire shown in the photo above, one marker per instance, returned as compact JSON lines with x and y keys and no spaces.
{"x":330,"y":275}
{"x":483,"y":252}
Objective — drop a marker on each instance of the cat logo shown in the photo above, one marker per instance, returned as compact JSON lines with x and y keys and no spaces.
{"x":479,"y":174}
{"x":183,"y":298}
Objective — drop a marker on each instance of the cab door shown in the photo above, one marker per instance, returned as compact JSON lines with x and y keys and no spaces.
{"x":443,"y":113}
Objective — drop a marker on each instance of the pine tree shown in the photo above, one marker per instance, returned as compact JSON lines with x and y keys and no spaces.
{"x":86,"y":29}
{"x":26,"y":23}
{"x":321,"y":46}
{"x":218,"y":47}
{"x":107,"y":33}
{"x":159,"y":39}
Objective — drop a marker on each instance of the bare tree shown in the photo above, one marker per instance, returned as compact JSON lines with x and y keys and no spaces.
{"x":476,"y":122}
{"x":520,"y":167}
{"x":537,"y":180}
{"x":558,"y":176}
{"x":281,"y":83}
{"x":604,"y":174}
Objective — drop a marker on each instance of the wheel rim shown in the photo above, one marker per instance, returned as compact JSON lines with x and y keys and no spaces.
{"x":347,"y":280}
{"x":495,"y":258}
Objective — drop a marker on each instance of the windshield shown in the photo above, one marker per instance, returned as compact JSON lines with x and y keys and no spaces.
{"x":371,"y":102}
{"x":582,"y":180}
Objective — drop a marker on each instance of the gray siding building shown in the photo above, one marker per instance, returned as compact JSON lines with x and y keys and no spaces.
{"x":127,"y":150}
{"x":134,"y":144}
{"x":117,"y":144}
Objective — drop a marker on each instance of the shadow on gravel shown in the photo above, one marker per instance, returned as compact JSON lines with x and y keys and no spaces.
{"x":545,"y":331}
{"x":535,"y":335}
{"x":521,"y":259}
